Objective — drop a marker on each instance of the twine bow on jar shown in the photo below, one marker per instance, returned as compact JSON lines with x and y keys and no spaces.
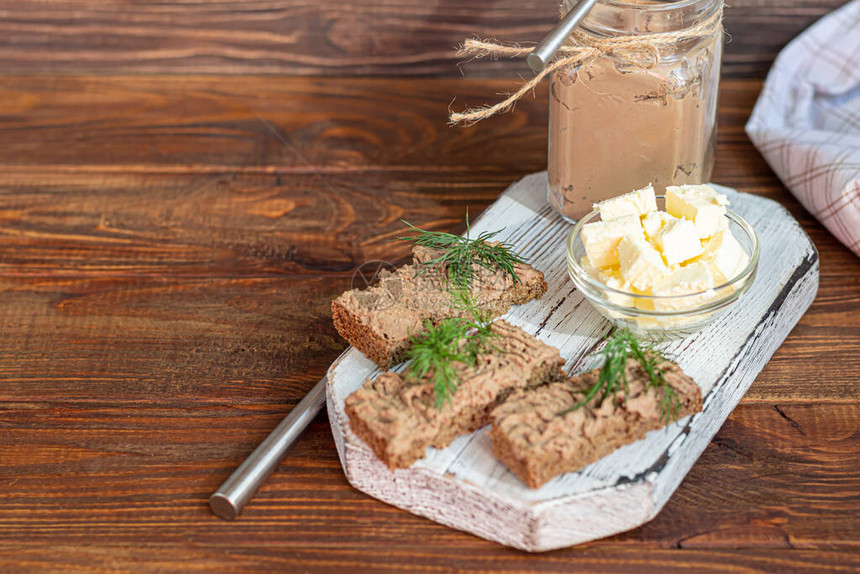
{"x":644,"y":51}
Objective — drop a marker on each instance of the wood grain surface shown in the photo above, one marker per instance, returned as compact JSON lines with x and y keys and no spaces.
{"x":306,"y":37}
{"x":169,"y":247}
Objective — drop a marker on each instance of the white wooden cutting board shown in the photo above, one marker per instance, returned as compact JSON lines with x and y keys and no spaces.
{"x":466,"y":487}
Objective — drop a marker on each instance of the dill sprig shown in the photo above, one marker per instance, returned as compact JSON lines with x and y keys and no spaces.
{"x":459,"y":254}
{"x":620,"y":346}
{"x":455,"y":339}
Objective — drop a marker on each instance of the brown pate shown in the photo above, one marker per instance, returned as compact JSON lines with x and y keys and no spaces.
{"x":399,"y":419}
{"x":380,"y":320}
{"x":537,"y":443}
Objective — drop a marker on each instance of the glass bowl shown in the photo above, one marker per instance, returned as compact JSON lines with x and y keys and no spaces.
{"x":656,"y":317}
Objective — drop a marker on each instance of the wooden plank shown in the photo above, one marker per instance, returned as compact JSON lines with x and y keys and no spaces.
{"x":281,"y":125}
{"x":135,"y":340}
{"x":176,"y":126}
{"x":465,"y":486}
{"x":124,"y":473}
{"x":316,"y":128}
{"x":223,"y":224}
{"x":413,"y":557}
{"x":313,"y":129}
{"x":309,"y":126}
{"x":73,"y":470}
{"x":288,"y":37}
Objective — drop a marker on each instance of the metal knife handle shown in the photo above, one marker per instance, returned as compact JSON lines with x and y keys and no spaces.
{"x":545,"y":51}
{"x":228,"y":501}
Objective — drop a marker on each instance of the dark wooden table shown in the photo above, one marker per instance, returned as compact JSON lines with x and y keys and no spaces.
{"x":170,"y":245}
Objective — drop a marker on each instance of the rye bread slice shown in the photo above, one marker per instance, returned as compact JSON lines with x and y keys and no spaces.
{"x":537,"y":443}
{"x":379,"y":321}
{"x":398,"y":418}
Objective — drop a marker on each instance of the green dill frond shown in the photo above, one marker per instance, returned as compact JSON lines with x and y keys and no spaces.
{"x":670,"y":404}
{"x":463,"y":300}
{"x":460,"y":339}
{"x":437,"y":349}
{"x":620,"y":346}
{"x":459,"y":254}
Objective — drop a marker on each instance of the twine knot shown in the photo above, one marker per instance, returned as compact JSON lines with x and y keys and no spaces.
{"x":643,"y":51}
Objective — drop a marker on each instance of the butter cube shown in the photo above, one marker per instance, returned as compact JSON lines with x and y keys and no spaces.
{"x":611,"y":276}
{"x":654,"y":222}
{"x":641,"y":264}
{"x":637,"y":202}
{"x":687,"y":280}
{"x":615,"y":281}
{"x":679,"y":241}
{"x":643,"y":302}
{"x":725,"y":256}
{"x":589,"y":268}
{"x":601,"y":238}
{"x":701,"y":204}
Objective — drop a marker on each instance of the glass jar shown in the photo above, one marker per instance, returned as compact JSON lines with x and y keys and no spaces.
{"x":615,"y":126}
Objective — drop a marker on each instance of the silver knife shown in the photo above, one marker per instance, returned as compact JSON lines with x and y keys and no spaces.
{"x":228,"y":501}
